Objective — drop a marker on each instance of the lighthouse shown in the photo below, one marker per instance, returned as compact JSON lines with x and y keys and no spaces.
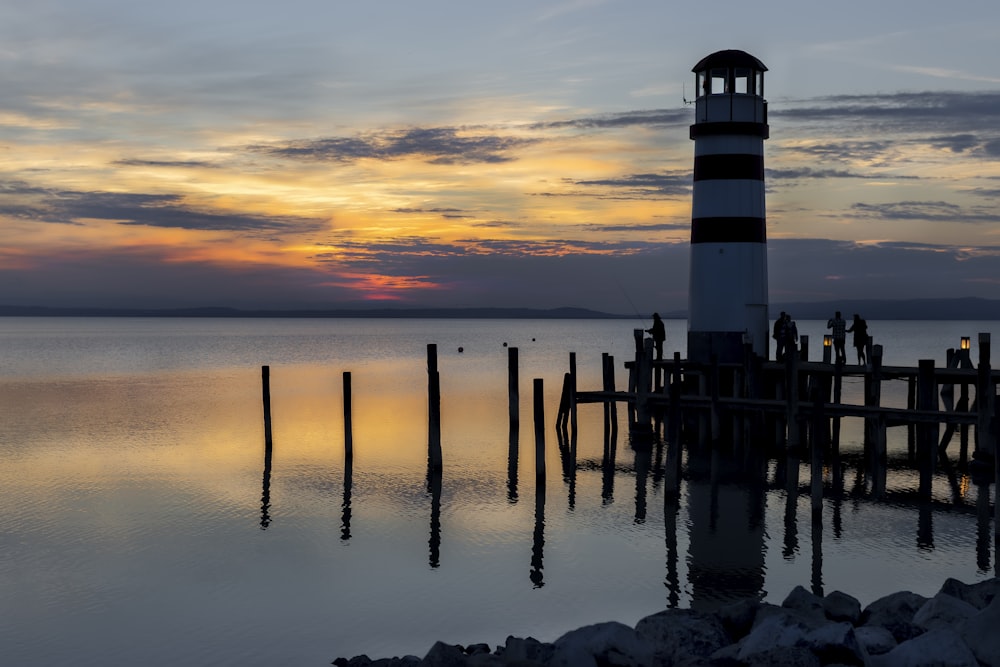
{"x":727,"y":292}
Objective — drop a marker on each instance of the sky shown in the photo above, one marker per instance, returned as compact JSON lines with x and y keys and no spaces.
{"x":430,"y":153}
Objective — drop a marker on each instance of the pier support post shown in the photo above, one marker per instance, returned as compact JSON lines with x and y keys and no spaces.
{"x":348,"y":420}
{"x":513,"y":393}
{"x":985,"y":398}
{"x":265,"y":378}
{"x":434,"y":456}
{"x":539,"y":414}
{"x":792,"y":404}
{"x":927,"y":400}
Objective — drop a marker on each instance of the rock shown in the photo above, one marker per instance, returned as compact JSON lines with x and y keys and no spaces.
{"x":979,"y":595}
{"x":444,"y":655}
{"x":895,"y":612}
{"x":943,"y":611}
{"x":935,"y":648}
{"x":836,"y":643}
{"x":774,"y":628}
{"x":527,"y":650}
{"x":737,"y":618}
{"x":788,"y":656}
{"x":875,"y":639}
{"x":678,"y":633}
{"x":840,"y":606}
{"x":980,"y":634}
{"x":806,"y":603}
{"x":610,"y":644}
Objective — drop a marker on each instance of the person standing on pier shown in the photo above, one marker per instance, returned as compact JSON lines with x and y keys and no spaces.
{"x":790,"y":332}
{"x":839,"y":327}
{"x":659,"y":333}
{"x":778,"y":334}
{"x":860,"y":329}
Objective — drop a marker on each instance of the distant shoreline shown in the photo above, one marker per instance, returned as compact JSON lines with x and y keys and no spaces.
{"x":966,"y":308}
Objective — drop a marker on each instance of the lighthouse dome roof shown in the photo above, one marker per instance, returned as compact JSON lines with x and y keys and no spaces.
{"x":729,"y":58}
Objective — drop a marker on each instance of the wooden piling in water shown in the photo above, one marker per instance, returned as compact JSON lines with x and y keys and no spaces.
{"x":434,"y":455}
{"x":985,"y":398}
{"x":265,"y":376}
{"x":926,"y":433}
{"x":348,"y":421}
{"x":513,"y":394}
{"x":539,"y":414}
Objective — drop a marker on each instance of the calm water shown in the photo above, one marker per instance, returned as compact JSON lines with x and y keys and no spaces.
{"x":142,"y":527}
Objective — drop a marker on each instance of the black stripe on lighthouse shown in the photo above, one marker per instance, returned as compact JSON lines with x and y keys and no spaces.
{"x":728,"y":167}
{"x":728,"y":230}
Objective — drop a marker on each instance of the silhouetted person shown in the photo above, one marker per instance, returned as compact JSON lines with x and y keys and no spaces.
{"x":779,"y":337}
{"x":790,"y":333}
{"x":860,"y":329}
{"x":659,"y":335}
{"x":839,"y":327}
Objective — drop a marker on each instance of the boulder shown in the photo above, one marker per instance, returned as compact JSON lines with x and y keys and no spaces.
{"x":935,"y":648}
{"x":610,"y":644}
{"x":786,"y":656}
{"x":679,"y":633}
{"x":444,"y":655}
{"x":895,"y":612}
{"x":775,"y":628}
{"x":836,"y":643}
{"x":805,"y":603}
{"x":527,"y":650}
{"x":875,"y":639}
{"x":979,"y":595}
{"x":841,"y":607}
{"x":943,"y":611}
{"x":980,"y":634}
{"x":737,"y":618}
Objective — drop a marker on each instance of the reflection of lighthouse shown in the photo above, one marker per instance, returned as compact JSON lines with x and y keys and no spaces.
{"x":728,"y":282}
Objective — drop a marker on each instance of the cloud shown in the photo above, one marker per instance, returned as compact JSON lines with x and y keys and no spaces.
{"x":668,"y":183}
{"x":151,"y":210}
{"x":435,"y":145}
{"x":925,"y":210}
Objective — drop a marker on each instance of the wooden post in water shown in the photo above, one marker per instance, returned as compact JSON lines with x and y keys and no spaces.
{"x":434,"y":456}
{"x":792,"y":390}
{"x":348,"y":422}
{"x":804,"y":348}
{"x":513,"y":395}
{"x":877,"y":423}
{"x":610,"y":407}
{"x":572,"y":395}
{"x":265,"y":377}
{"x":985,"y":397}
{"x":539,"y":413}
{"x":926,"y":433}
{"x":643,"y":425}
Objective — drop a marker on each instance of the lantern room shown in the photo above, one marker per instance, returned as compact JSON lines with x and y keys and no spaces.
{"x":730,"y":87}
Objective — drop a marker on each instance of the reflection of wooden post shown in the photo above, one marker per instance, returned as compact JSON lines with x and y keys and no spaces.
{"x":348,"y":423}
{"x":539,"y":405}
{"x":265,"y":376}
{"x":434,"y":455}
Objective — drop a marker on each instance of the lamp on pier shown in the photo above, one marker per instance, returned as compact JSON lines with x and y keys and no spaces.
{"x":966,"y":343}
{"x":827,"y":340}
{"x":827,"y":348}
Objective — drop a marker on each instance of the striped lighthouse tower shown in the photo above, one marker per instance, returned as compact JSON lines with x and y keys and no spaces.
{"x":727,"y":293}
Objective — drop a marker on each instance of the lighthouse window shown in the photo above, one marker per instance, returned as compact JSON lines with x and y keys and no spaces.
{"x":719,"y":81}
{"x":742,"y":81}
{"x":759,"y":85}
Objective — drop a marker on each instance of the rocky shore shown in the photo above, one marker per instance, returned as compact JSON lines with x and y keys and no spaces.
{"x":958,"y":627}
